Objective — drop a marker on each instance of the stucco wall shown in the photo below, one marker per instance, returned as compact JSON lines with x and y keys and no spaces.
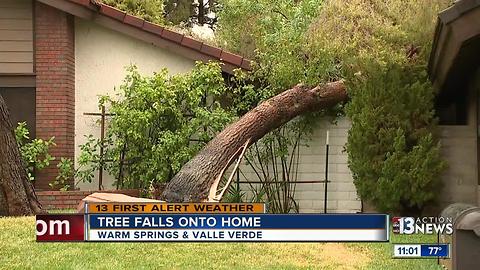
{"x":459,"y":148}
{"x":101,"y":57}
{"x":342,"y":196}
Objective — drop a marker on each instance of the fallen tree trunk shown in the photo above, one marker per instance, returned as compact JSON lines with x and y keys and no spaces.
{"x":17,"y":196}
{"x":193,"y":182}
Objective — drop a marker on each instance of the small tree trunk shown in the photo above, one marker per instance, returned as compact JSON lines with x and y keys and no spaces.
{"x":17,"y":196}
{"x":192,"y":183}
{"x":201,"y":12}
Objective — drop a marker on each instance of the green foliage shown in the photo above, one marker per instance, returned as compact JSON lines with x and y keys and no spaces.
{"x":150,"y":10}
{"x":188,"y":12}
{"x":275,"y":35}
{"x":65,"y":172}
{"x":181,"y":13}
{"x":34,"y":152}
{"x":178,"y":11}
{"x":234,"y":194}
{"x":393,"y":152}
{"x":355,"y":32}
{"x":274,"y":160}
{"x":89,"y":160}
{"x":35,"y":156}
{"x":380,"y":48}
{"x":160,"y":122}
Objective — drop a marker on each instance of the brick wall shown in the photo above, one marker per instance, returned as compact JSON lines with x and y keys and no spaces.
{"x":71,"y":199}
{"x":55,"y":85}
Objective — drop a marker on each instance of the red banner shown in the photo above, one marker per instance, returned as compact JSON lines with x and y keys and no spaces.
{"x":58,"y":228}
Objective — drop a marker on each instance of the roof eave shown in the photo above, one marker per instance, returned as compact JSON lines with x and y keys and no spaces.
{"x":446,"y":44}
{"x":133,"y":26}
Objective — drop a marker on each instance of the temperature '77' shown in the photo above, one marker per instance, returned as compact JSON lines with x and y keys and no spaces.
{"x":434,"y":250}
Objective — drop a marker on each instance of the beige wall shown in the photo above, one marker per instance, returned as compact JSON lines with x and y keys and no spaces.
{"x":342,"y":195}
{"x":459,"y":148}
{"x":101,"y":56}
{"x":16,"y":36}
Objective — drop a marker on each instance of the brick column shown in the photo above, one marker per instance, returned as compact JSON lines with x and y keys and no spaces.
{"x":55,"y":85}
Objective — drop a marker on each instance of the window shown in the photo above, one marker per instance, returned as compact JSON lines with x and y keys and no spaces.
{"x":21,"y":104}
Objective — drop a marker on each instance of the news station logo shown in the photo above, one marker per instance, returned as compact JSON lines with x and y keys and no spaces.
{"x":60,"y":228}
{"x":422,"y":225}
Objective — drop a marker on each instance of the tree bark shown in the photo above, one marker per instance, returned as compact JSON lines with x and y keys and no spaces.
{"x":201,"y":12}
{"x":17,"y":196}
{"x":192,"y":183}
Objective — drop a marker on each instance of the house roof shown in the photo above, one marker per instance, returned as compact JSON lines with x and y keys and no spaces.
{"x":136,"y":27}
{"x":454,"y":56}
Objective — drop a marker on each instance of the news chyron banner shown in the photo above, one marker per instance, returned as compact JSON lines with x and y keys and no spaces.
{"x":207,"y":222}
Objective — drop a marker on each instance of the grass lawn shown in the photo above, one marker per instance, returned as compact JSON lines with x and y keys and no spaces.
{"x":18,"y":250}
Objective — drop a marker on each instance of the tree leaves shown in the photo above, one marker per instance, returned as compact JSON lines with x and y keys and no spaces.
{"x":393,"y":153}
{"x":161,"y":121}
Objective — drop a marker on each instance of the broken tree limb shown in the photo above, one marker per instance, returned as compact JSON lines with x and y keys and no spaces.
{"x":194,"y":181}
{"x":213,"y":196}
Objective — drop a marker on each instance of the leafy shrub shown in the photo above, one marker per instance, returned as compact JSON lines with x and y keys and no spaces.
{"x":34,"y":152}
{"x":87,"y":164}
{"x":65,"y":173}
{"x":159,"y":123}
{"x":393,"y":154}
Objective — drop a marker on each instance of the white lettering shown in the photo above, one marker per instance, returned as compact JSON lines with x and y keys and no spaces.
{"x":43,"y":225}
{"x":58,"y":224}
{"x":241,"y":222}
